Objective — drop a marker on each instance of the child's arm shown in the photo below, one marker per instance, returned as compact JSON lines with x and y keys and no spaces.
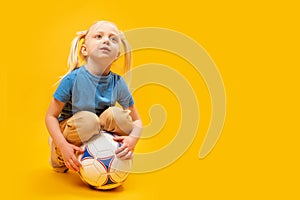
{"x":67,"y":150}
{"x":129,"y":142}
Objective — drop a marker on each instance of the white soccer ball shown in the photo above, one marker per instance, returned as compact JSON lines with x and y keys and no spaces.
{"x":101,"y":169}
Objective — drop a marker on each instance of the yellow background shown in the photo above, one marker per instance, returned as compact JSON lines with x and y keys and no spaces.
{"x":255,"y":45}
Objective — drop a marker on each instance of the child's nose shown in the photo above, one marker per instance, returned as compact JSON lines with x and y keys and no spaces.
{"x":105,"y":40}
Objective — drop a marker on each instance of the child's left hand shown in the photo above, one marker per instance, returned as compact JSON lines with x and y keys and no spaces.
{"x":125,"y":152}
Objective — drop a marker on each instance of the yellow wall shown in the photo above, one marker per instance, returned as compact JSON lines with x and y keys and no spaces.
{"x":255,"y":46}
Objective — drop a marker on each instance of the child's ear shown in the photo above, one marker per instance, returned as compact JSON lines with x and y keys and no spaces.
{"x":83,"y":50}
{"x":118,"y":55}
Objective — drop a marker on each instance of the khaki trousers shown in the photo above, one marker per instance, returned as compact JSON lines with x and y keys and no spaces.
{"x":83,"y":125}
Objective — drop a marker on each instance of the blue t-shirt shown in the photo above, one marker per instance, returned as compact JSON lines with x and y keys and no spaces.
{"x":82,"y":91}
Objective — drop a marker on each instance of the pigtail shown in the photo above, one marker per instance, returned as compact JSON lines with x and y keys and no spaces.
{"x":73,"y":59}
{"x":127,"y":53}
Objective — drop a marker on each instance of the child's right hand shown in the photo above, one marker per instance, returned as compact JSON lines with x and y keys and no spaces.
{"x":68,"y":152}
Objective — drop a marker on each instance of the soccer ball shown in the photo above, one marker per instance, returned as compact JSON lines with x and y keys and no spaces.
{"x":101,"y":169}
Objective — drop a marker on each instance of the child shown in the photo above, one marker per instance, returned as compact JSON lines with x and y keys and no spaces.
{"x":83,"y":103}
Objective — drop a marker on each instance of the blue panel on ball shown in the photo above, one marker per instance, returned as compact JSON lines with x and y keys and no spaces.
{"x":119,"y":144}
{"x":106,"y":162}
{"x":109,"y":181}
{"x":86,"y":155}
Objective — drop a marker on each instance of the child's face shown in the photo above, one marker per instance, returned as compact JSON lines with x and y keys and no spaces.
{"x":102,"y":43}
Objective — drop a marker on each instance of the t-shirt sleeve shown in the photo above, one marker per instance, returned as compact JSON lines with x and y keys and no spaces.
{"x":124,"y":97}
{"x":64,"y":90}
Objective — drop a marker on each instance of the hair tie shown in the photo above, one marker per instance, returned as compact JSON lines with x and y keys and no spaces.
{"x":122,"y":36}
{"x":81,"y":33}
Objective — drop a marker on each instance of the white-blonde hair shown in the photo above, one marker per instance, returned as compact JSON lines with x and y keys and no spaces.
{"x":74,"y":59}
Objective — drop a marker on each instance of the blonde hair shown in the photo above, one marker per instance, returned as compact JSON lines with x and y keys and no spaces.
{"x":74,"y":59}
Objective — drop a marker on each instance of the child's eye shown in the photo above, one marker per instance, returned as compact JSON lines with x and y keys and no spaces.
{"x":113,"y":39}
{"x":98,"y":36}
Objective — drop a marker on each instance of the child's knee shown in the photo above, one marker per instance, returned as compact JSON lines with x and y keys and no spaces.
{"x":117,"y":120}
{"x":84,"y":124}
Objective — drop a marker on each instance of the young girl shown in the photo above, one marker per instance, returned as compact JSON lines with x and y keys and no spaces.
{"x":83,"y":103}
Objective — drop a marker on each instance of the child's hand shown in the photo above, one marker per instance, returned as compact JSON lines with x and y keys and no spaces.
{"x":125,"y":152}
{"x":68,"y":152}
